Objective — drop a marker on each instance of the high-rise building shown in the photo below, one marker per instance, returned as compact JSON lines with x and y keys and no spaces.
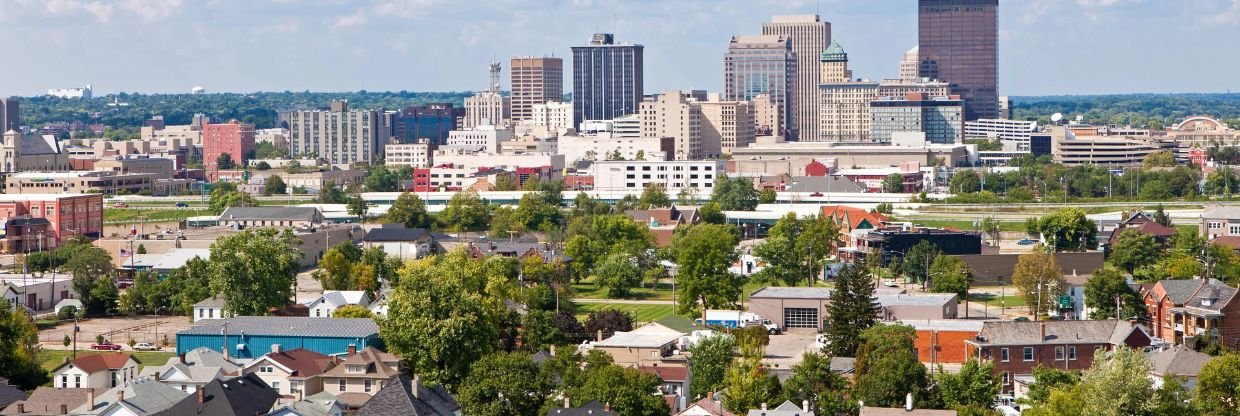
{"x":554,"y":115}
{"x":534,"y":81}
{"x":764,"y":65}
{"x":607,"y":79}
{"x":490,"y":107}
{"x":941,"y":119}
{"x":765,"y":115}
{"x":236,"y":139}
{"x":337,"y":134}
{"x":844,"y":103}
{"x":431,"y":122}
{"x":959,"y":40}
{"x":725,"y":125}
{"x":809,"y":36}
{"x":910,"y":65}
{"x":674,"y":114}
{"x":10,"y":114}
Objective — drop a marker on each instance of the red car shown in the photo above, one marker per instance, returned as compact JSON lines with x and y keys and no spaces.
{"x":106,"y":345}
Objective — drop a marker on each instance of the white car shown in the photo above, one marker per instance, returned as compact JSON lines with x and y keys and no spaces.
{"x":891,"y":283}
{"x":145,"y":346}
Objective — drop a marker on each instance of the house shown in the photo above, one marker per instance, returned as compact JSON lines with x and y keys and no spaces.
{"x":1016,"y":348}
{"x":191,"y":370}
{"x":47,"y":401}
{"x":362,"y":375}
{"x":919,"y":306}
{"x":38,"y":293}
{"x":708,"y":406}
{"x":1143,"y":224}
{"x":319,"y":404}
{"x":1181,"y":310}
{"x":137,"y":399}
{"x":379,"y":307}
{"x":673,"y":382}
{"x":402,"y":395}
{"x":1178,"y":361}
{"x":645,"y":346}
{"x":242,"y":396}
{"x":400,"y":242}
{"x":663,"y":221}
{"x":943,"y":340}
{"x":9,"y":393}
{"x":292,"y":373}
{"x":333,"y":299}
{"x":1218,"y":220}
{"x":251,"y":336}
{"x":297,"y":217}
{"x":99,"y":371}
{"x":997,"y":269}
{"x":785,"y":409}
{"x":900,"y":411}
{"x":210,"y":308}
{"x":852,"y":219}
{"x":591,"y":408}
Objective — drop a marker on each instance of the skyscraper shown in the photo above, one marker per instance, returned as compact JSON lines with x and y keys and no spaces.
{"x":959,"y":39}
{"x":10,"y":116}
{"x":490,"y":107}
{"x":809,"y":36}
{"x":607,"y":79}
{"x":763,"y":65}
{"x":338,"y":134}
{"x":534,"y":81}
{"x":910,"y":65}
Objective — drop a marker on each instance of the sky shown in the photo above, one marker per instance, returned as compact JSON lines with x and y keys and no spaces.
{"x":1046,"y":47}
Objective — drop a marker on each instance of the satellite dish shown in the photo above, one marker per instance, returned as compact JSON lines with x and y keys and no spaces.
{"x":1056,"y":117}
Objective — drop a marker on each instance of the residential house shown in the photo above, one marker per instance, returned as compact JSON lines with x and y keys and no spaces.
{"x":785,"y":409}
{"x":663,"y":221}
{"x":402,"y":395}
{"x":901,"y":411}
{"x":98,"y":371}
{"x":362,"y":375}
{"x":47,"y":401}
{"x":400,"y":242}
{"x":650,"y":345}
{"x":1178,"y":361}
{"x":708,"y":406}
{"x":9,"y":393}
{"x":997,"y":269}
{"x":247,"y":337}
{"x":1016,"y":348}
{"x":292,"y":373}
{"x":210,"y":308}
{"x":137,"y":399}
{"x":591,"y":408}
{"x":299,"y":217}
{"x":851,"y":219}
{"x":242,"y":396}
{"x":334,"y":299}
{"x":1143,"y":224}
{"x":1180,"y":310}
{"x":192,"y":369}
{"x":673,"y":382}
{"x":319,"y":404}
{"x":1218,"y":220}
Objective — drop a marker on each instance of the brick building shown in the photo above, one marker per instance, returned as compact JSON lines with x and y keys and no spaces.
{"x":1016,"y":348}
{"x":943,"y":340}
{"x":56,"y":216}
{"x":1180,"y":310}
{"x":234,"y":138}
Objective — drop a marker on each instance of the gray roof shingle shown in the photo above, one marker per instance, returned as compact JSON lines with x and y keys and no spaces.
{"x":397,"y":398}
{"x":591,"y":408}
{"x":1179,"y":360}
{"x":1110,"y":331}
{"x":1180,"y":290}
{"x":9,"y":393}
{"x":289,"y":326}
{"x":241,"y":396}
{"x":395,"y":234}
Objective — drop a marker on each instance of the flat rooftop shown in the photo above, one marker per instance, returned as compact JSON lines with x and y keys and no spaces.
{"x":932,"y":299}
{"x":39,"y":197}
{"x":649,"y":336}
{"x":792,"y":293}
{"x":965,"y":325}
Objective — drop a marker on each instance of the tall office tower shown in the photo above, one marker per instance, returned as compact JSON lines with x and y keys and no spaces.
{"x":758,"y":65}
{"x":337,"y":134}
{"x":10,"y":114}
{"x":674,"y":114}
{"x":490,"y":107}
{"x":607,"y":79}
{"x":809,"y":37}
{"x":844,"y":104}
{"x":534,"y":81}
{"x":765,"y":115}
{"x":959,"y":39}
{"x":910,"y":65}
{"x":835,"y":64}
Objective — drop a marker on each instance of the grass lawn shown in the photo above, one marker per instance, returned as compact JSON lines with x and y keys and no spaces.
{"x":964,"y":225}
{"x":641,"y":312}
{"x":994,"y":300}
{"x":1193,"y":228}
{"x":50,"y":359}
{"x":136,"y":215}
{"x":587,"y":289}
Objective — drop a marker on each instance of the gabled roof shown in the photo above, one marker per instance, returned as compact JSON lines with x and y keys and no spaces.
{"x":300,"y":362}
{"x":1221,"y":211}
{"x":340,"y":298}
{"x":1110,"y":331}
{"x":211,"y":302}
{"x":242,"y":396}
{"x":9,"y":393}
{"x":318,"y":404}
{"x":378,"y":364}
{"x":1210,"y":297}
{"x":706,"y":407}
{"x":47,"y":401}
{"x":1178,"y":360}
{"x":851,"y":218}
{"x":666,"y":374}
{"x":94,"y":363}
{"x":201,"y":366}
{"x":591,"y":408}
{"x":404,"y":396}
{"x":785,"y":409}
{"x":141,"y":398}
{"x":395,"y":234}
{"x":1179,"y":290}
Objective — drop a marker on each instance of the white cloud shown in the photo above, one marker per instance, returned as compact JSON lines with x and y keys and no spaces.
{"x":355,"y":19}
{"x":151,"y":10}
{"x":102,"y":12}
{"x":1228,"y":17}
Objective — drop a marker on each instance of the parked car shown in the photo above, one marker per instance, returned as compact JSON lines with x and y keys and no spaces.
{"x":120,"y":205}
{"x":816,"y":194}
{"x":1026,"y":242}
{"x":890,"y":283}
{"x":106,"y":346}
{"x":182,"y":205}
{"x":145,"y":346}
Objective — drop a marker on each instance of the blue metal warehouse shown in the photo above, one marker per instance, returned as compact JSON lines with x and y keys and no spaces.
{"x":253,"y":336}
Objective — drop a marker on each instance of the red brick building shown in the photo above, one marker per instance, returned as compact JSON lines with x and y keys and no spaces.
{"x":1016,"y":348}
{"x":34,"y":221}
{"x":943,"y":340}
{"x":1183,"y":309}
{"x":234,"y":138}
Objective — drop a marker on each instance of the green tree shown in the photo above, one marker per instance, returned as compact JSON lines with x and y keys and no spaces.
{"x":1162,"y":158}
{"x":1134,"y":249}
{"x":1173,"y":399}
{"x":619,"y":274}
{"x":1221,"y":182}
{"x":593,"y":238}
{"x":255,"y":269}
{"x":1048,"y":379}
{"x":504,"y":384}
{"x":976,"y":384}
{"x":539,"y":331}
{"x":747,"y":386}
{"x":1107,"y":289}
{"x":336,"y":267}
{"x":584,"y":205}
{"x":505,"y":182}
{"x":381,"y":179}
{"x":893,"y":183}
{"x":1068,"y":230}
{"x":356,"y":205}
{"x":410,"y":211}
{"x":465,"y":212}
{"x":813,"y":380}
{"x":654,"y":196}
{"x":965,"y":182}
{"x":950,"y":275}
{"x":704,"y":253}
{"x":1218,"y":385}
{"x":1117,"y":384}
{"x":224,"y":161}
{"x":293,"y":167}
{"x":687,"y":196}
{"x":187,"y":285}
{"x":734,"y":194}
{"x":535,"y":213}
{"x":1161,"y":217}
{"x":332,"y":194}
{"x":919,"y":260}
{"x":797,"y":249}
{"x":608,"y":321}
{"x":782,"y":266}
{"x":1038,"y":278}
{"x":19,"y":348}
{"x":711,"y":357}
{"x":626,"y":389}
{"x":713,"y":214}
{"x":352,"y":311}
{"x":275,"y":186}
{"x":887,"y":367}
{"x":851,"y":311}
{"x":91,"y":267}
{"x":767,"y":196}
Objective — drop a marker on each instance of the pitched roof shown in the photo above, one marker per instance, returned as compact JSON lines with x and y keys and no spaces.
{"x":318,"y":404}
{"x":378,"y":364}
{"x":785,"y":409}
{"x":706,"y":407}
{"x":141,"y":397}
{"x":99,"y":362}
{"x":591,"y":408}
{"x":211,"y":302}
{"x":1109,"y":331}
{"x":201,"y":366}
{"x":47,"y":401}
{"x":242,"y":396}
{"x":851,"y":217}
{"x":666,"y":374}
{"x":340,"y":298}
{"x":289,"y":326}
{"x":9,"y":393}
{"x":303,"y":362}
{"x":395,"y":234}
{"x":1232,"y":241}
{"x":1179,"y":290}
{"x":271,"y":214}
{"x":1221,"y":211}
{"x":1210,"y":298}
{"x":1178,"y":360}
{"x":404,"y":396}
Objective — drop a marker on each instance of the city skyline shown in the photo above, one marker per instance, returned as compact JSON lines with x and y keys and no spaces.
{"x":1046,"y":47}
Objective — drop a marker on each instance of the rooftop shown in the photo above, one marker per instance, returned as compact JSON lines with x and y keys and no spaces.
{"x":928,"y":299}
{"x":792,"y":293}
{"x":1178,"y":360}
{"x":405,"y":396}
{"x":649,"y":336}
{"x":1110,"y":331}
{"x":270,"y":213}
{"x":40,"y":197}
{"x":395,"y":234}
{"x":968,"y":325}
{"x":99,"y":362}
{"x":288,"y":326}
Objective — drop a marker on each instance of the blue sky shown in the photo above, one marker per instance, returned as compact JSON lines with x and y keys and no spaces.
{"x":1046,"y":46}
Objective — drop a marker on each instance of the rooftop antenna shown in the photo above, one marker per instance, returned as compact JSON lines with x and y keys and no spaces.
{"x":494,"y":69}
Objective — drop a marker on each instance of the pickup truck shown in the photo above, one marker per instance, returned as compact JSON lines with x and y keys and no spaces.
{"x":106,"y":346}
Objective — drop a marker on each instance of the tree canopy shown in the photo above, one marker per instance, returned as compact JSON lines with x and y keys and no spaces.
{"x":703,"y":254}
{"x":255,"y":269}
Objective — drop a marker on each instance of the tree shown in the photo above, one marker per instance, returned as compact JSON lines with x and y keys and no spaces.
{"x":813,"y":380}
{"x":593,"y":238}
{"x":410,"y":211}
{"x":332,"y":194}
{"x":654,"y":196}
{"x":535,"y":213}
{"x":893,"y":183}
{"x":275,"y":186}
{"x":504,"y":384}
{"x":293,"y":167}
{"x":465,"y":212}
{"x":1038,"y":279}
{"x":797,"y":249}
{"x":711,"y":357}
{"x":336,"y":267}
{"x":628,"y":391}
{"x":1221,"y":182}
{"x":1047,"y":380}
{"x":851,"y":311}
{"x":1134,"y":249}
{"x":887,"y":367}
{"x":781,"y":267}
{"x":608,"y":321}
{"x":1173,"y":399}
{"x":1117,"y":384}
{"x":224,"y":161}
{"x":539,"y":330}
{"x":584,"y":205}
{"x":950,"y":275}
{"x":1106,"y":290}
{"x":1218,"y":385}
{"x":619,"y":274}
{"x":687,"y":196}
{"x":19,"y":348}
{"x":965,"y":182}
{"x":704,"y":253}
{"x":254,"y":270}
{"x":884,"y":208}
{"x":505,"y":182}
{"x":1068,"y":230}
{"x":381,"y":179}
{"x":91,"y":267}
{"x":747,"y":385}
{"x":734,"y":194}
{"x":713,"y":214}
{"x":1161,"y":217}
{"x":990,"y":226}
{"x":1162,"y":158}
{"x":976,"y":384}
{"x":356,"y":205}
{"x":352,"y":311}
{"x":767,"y":196}
{"x":919,"y":259}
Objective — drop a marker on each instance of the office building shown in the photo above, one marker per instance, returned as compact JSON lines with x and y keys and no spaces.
{"x":959,"y":39}
{"x":432,"y":122}
{"x":1000,"y":129}
{"x":940,"y":118}
{"x":489,"y":107}
{"x":10,"y":114}
{"x":235,"y":139}
{"x":725,"y":125}
{"x":90,"y":182}
{"x":575,"y":148}
{"x":809,"y":37}
{"x":337,"y":135}
{"x":84,"y":93}
{"x":844,"y":114}
{"x":416,"y":155}
{"x":553,"y":115}
{"x":674,"y":175}
{"x":484,"y":139}
{"x":765,"y":115}
{"x":764,"y":68}
{"x":278,"y":137}
{"x":673,"y":114}
{"x":910,"y":65}
{"x":534,"y":81}
{"x":607,"y":79}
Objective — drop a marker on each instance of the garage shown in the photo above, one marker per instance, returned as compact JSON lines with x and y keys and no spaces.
{"x":801,"y":318}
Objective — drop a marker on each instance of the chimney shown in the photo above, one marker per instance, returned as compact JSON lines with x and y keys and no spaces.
{"x":156,"y":376}
{"x":908,"y":402}
{"x":607,"y":407}
{"x":120,"y":395}
{"x":275,"y":348}
{"x":1042,"y":327}
{"x":182,"y":358}
{"x":64,"y":409}
{"x":21,"y":408}
{"x":352,"y":350}
{"x":201,"y":394}
{"x":600,"y":335}
{"x":90,"y":398}
{"x":416,"y":385}
{"x":567,"y":403}
{"x":804,"y":405}
{"x":764,"y":406}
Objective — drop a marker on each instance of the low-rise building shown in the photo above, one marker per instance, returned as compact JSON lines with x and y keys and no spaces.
{"x":942,"y":340}
{"x":241,"y":396}
{"x":1180,"y":362}
{"x":39,"y":293}
{"x":191,"y":370}
{"x":792,"y":307}
{"x":140,"y":398}
{"x":402,"y":395}
{"x":335,"y":299}
{"x":416,"y":155}
{"x":650,"y":345}
{"x":917,"y":306}
{"x":400,"y":242}
{"x":49,"y":401}
{"x":292,"y":373}
{"x":785,"y":409}
{"x":361,"y":375}
{"x":244,"y":217}
{"x":162,"y":166}
{"x":67,"y":215}
{"x":97,"y":371}
{"x":252,"y":336}
{"x":1180,"y":310}
{"x":94,"y":182}
{"x":1219,"y":220}
{"x":209,"y":308}
{"x":673,"y":175}
{"x":1016,"y":348}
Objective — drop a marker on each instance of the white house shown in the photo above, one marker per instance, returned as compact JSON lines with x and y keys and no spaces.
{"x":293,"y":373}
{"x":98,"y":371}
{"x":333,"y":299}
{"x":211,"y":308}
{"x":39,"y":293}
{"x":400,"y":242}
{"x":380,"y":306}
{"x":192,"y":370}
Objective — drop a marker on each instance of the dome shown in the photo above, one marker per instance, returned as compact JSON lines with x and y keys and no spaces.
{"x":834,"y":53}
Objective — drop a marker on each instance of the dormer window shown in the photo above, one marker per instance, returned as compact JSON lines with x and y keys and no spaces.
{"x":1207,"y":301}
{"x":357,"y":368}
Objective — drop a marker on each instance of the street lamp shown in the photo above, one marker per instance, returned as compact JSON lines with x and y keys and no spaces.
{"x":157,"y":342}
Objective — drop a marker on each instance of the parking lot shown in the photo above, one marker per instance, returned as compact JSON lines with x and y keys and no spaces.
{"x":119,"y":330}
{"x":785,"y":350}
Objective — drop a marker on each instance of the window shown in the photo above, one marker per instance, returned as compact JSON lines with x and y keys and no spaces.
{"x":1072,"y":352}
{"x":275,"y":385}
{"x":1028,"y":354}
{"x":366,"y":386}
{"x":1059,"y":353}
{"x":1003,"y":355}
{"x":77,"y":381}
{"x":64,"y":381}
{"x":342,"y":384}
{"x":266,"y":369}
{"x":1006,"y":377}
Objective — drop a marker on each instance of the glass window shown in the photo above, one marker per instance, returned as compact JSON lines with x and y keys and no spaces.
{"x":1028,"y":354}
{"x":1072,"y":352}
{"x":366,"y":386}
{"x":342,"y":384}
{"x":1003,"y":355}
{"x":1059,"y":353}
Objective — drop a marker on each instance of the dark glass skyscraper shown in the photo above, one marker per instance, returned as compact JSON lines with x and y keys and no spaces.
{"x":959,"y":39}
{"x":431,"y":121}
{"x":607,"y":79}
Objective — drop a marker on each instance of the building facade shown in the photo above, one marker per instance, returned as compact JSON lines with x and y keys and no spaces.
{"x":10,"y":114}
{"x":68,"y":215}
{"x":607,"y":79}
{"x":486,"y":108}
{"x":533,"y":81}
{"x":417,"y":155}
{"x":32,"y":152}
{"x":726,"y":125}
{"x":673,"y":114}
{"x":234,"y":138}
{"x":338,"y":135}
{"x":107,"y":183}
{"x":634,"y":175}
{"x":959,"y":38}
{"x":940,"y":118}
{"x":809,"y":37}
{"x":1016,"y":348}
{"x":556,"y":116}
{"x":431,"y":121}
{"x":764,"y":68}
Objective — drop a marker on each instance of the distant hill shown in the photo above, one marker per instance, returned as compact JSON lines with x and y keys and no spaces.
{"x":1158,"y":110}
